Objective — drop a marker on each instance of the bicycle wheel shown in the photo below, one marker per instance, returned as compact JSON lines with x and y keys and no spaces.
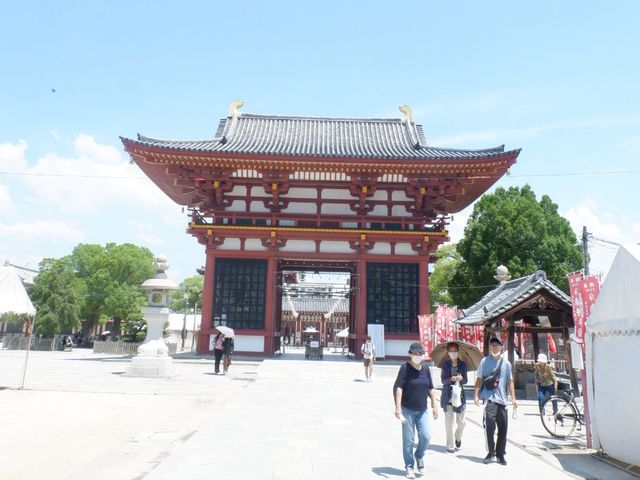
{"x":559,"y":416}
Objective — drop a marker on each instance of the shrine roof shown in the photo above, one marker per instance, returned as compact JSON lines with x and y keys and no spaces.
{"x":251,"y":134}
{"x":317,"y":305}
{"x":509,"y":295}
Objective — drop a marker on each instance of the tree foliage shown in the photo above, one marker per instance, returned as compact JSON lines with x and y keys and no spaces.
{"x":447,"y":261}
{"x":112,"y":276}
{"x":192,"y":287}
{"x":512,"y":228}
{"x":57,"y":294}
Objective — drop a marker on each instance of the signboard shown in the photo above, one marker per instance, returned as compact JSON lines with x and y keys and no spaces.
{"x":376,"y":331}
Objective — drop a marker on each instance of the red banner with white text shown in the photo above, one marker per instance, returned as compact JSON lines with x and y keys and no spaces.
{"x":425,"y":330}
{"x":578,"y":308}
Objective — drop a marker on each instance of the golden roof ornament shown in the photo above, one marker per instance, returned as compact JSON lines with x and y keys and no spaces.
{"x":234,"y":108}
{"x":408,"y":113}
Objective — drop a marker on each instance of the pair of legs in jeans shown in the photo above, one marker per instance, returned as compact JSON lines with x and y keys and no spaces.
{"x":417,"y":420}
{"x":542,"y":393}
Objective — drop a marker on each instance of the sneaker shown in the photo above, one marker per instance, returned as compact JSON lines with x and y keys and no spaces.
{"x":502,"y":461}
{"x":410,"y":473}
{"x":420,"y":465}
{"x":488,"y":458}
{"x":458,"y":443}
{"x":451,"y":449}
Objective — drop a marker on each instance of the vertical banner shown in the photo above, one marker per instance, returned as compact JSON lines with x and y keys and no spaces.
{"x":452,"y":316}
{"x":589,"y":289}
{"x":425,"y":329}
{"x":439,"y":319}
{"x":578,"y":308}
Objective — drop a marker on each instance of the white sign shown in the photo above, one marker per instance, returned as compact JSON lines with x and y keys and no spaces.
{"x":376,"y":331}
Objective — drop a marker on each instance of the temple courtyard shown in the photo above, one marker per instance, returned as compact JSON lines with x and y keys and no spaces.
{"x":80,"y":417}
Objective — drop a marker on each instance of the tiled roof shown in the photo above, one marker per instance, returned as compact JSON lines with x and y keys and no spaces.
{"x":508,"y":295}
{"x":320,"y":137}
{"x":317,"y":305}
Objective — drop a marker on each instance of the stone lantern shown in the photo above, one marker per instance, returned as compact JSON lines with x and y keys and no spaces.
{"x":153,"y":358}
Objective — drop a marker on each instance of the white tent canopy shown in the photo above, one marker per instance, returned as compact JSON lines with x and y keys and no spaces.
{"x":612,"y":341}
{"x":617,"y":310}
{"x":13,"y":296}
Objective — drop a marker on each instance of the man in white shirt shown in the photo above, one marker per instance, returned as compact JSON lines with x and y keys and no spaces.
{"x":369,"y":354}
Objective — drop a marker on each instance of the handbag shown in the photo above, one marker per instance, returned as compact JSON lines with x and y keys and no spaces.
{"x":456,"y":395}
{"x":491,"y":381}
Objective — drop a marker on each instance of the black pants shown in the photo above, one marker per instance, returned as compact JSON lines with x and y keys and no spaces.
{"x":496,"y":414}
{"x":218,"y":354}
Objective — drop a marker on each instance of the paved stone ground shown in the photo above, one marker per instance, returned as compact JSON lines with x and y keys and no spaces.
{"x":79,"y":417}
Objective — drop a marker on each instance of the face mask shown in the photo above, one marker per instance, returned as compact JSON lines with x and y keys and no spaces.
{"x":453,"y":355}
{"x":416,"y":359}
{"x":496,"y":354}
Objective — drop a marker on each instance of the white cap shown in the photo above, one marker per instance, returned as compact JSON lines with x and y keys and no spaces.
{"x":542,"y":358}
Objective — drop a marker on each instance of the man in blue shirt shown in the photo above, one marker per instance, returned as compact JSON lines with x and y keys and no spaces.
{"x":495,"y":398}
{"x":412,"y":387}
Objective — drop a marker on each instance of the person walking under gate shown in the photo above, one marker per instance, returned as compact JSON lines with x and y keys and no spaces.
{"x":494,"y":376}
{"x":412,"y":387}
{"x":218,"y":342}
{"x":453,"y":372}
{"x":369,"y":353}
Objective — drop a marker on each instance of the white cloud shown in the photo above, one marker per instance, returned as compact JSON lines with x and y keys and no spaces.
{"x":146,"y":232}
{"x":52,"y":230}
{"x":605,"y":226}
{"x":96,"y":177}
{"x":12,"y":158}
{"x":6,"y":205}
{"x":457,"y":226}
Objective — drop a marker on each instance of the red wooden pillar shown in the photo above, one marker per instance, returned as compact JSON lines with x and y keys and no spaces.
{"x":270,"y":304}
{"x":423,"y":289}
{"x":361,"y":306}
{"x":207,"y":302}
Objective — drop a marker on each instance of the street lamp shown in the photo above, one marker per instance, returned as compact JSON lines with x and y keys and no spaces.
{"x":185,"y":297}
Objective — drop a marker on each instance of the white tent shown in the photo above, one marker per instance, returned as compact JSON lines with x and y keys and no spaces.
{"x":613,"y":341}
{"x":13,"y":296}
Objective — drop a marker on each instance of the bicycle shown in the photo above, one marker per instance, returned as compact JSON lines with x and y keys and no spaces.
{"x":560,"y":414}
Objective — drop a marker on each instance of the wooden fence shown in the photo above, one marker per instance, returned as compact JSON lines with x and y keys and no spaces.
{"x":19,"y":341}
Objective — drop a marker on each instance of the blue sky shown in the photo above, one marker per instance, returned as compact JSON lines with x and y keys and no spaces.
{"x":557,"y":79}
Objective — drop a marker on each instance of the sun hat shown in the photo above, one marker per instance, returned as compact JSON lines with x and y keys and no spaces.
{"x":542,"y":358}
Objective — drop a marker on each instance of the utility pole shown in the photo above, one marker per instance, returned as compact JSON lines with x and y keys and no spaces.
{"x":585,"y":250}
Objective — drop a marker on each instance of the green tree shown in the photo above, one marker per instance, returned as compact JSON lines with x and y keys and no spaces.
{"x":57,"y":294}
{"x":447,"y":261}
{"x":112,"y":276}
{"x":511,"y":227}
{"x":192,"y":287}
{"x":124,"y":305}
